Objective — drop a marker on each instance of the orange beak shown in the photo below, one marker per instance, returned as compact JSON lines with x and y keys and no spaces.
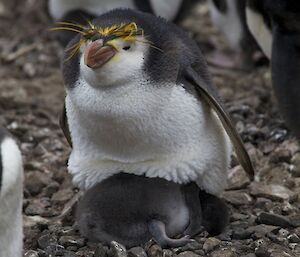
{"x":96,"y":54}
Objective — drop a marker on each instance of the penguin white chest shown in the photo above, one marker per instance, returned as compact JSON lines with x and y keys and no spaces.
{"x":156,"y":130}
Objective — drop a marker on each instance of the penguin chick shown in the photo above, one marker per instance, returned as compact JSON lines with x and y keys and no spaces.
{"x":229,"y":16}
{"x":140,"y":100}
{"x":276,"y":27}
{"x":11,"y":196}
{"x":79,"y":10}
{"x":133,"y":209}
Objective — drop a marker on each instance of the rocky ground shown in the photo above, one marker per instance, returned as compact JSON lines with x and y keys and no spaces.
{"x":265,"y":216}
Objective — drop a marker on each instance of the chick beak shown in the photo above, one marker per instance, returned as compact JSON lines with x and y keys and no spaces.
{"x":96,"y":54}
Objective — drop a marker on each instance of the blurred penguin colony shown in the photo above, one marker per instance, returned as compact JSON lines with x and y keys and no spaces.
{"x":269,"y":27}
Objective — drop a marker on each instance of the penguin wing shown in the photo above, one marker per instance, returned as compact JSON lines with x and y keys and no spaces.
{"x":203,"y":89}
{"x":63,"y":122}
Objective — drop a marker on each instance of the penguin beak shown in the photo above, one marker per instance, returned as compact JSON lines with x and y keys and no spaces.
{"x":96,"y":54}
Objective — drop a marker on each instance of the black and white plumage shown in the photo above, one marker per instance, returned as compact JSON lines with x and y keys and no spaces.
{"x":229,"y":16}
{"x":276,"y":27}
{"x":11,"y":197}
{"x":146,"y":108}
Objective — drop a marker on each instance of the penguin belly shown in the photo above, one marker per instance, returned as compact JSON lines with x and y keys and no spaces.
{"x":163,"y":133}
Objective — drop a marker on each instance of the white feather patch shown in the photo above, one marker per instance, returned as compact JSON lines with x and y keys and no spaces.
{"x":11,"y":196}
{"x":228,"y":23}
{"x":260,"y":31}
{"x":156,"y":130}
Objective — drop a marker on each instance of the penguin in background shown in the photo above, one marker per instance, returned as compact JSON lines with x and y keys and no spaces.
{"x":229,"y":16}
{"x":276,"y":27}
{"x":80,"y":10}
{"x":11,"y":197}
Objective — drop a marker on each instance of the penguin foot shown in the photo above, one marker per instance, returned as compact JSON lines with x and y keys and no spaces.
{"x":158,"y":231}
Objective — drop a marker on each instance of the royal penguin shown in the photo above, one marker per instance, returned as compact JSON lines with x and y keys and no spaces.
{"x":276,"y":27}
{"x":11,"y":196}
{"x":229,"y":16}
{"x":139,"y":100}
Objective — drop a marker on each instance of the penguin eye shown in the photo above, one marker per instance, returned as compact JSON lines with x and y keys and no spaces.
{"x":126,"y":48}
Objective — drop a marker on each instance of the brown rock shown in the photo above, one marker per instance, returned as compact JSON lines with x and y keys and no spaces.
{"x":273,"y":219}
{"x":210,"y":244}
{"x":273,"y":192}
{"x":237,"y":178}
{"x":296,"y":165}
{"x":36,"y":181}
{"x":63,"y":195}
{"x":237,"y":197}
{"x":155,"y":251}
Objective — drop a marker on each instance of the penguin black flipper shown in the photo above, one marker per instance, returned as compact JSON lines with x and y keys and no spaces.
{"x":209,"y":95}
{"x":63,"y":122}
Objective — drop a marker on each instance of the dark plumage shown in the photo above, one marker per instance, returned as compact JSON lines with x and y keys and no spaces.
{"x":282,"y":19}
{"x":132,"y":209}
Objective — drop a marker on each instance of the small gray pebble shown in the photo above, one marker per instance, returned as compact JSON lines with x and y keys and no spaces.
{"x":262,"y":252}
{"x":46,"y":240}
{"x":55,"y":249}
{"x":283,"y":232}
{"x":137,"y":252}
{"x":118,"y":250}
{"x":210,"y":244}
{"x":155,"y":251}
{"x":273,"y":219}
{"x":294,"y":238}
{"x":72,"y":241}
{"x":188,"y":254}
{"x":101,"y":251}
{"x":223,"y":253}
{"x":31,"y":253}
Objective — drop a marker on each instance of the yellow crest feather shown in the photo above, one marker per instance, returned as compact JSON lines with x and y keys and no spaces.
{"x":126,"y":31}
